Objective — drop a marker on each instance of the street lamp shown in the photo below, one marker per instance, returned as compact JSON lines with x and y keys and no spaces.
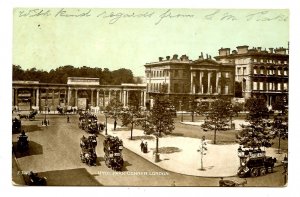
{"x":157,"y":153}
{"x":105,"y":114}
{"x":180,"y":108}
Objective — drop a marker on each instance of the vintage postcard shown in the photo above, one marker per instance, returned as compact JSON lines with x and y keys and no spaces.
{"x":150,"y":97}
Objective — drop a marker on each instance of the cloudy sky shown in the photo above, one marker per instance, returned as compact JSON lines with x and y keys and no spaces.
{"x":129,"y":38}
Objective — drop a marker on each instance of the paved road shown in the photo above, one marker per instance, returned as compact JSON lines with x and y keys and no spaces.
{"x":54,"y":153}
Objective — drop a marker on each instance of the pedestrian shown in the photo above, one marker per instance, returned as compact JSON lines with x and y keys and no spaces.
{"x":145,"y":148}
{"x":68,"y":119}
{"x":48,"y":122}
{"x":142,"y":146}
{"x":115,"y":124}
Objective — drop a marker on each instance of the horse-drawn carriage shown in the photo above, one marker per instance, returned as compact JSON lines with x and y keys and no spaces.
{"x":88,"y":150}
{"x":255,"y":163}
{"x":30,"y":116}
{"x":113,"y":147}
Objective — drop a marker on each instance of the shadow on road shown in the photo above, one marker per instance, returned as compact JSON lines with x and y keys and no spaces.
{"x":126,"y":163}
{"x":31,"y":128}
{"x":71,"y":177}
{"x":34,"y":149}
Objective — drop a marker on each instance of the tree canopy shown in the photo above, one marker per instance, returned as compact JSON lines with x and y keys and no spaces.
{"x":60,"y":75}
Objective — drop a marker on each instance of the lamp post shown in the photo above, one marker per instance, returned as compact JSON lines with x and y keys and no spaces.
{"x":105,"y":114}
{"x":157,"y":153}
{"x":180,"y":108}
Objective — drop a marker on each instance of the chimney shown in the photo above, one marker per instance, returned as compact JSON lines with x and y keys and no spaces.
{"x":258,"y":49}
{"x":168,"y":57}
{"x":202,"y":54}
{"x":271,"y":50}
{"x":160,"y":59}
{"x":242,"y":49}
{"x":206,"y":56}
{"x":210,"y":57}
{"x":224,"y":52}
{"x":175,"y":57}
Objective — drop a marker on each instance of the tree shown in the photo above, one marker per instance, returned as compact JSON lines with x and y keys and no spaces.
{"x":280,"y":129}
{"x":279,"y":105}
{"x":218,"y":114}
{"x":131,"y":116}
{"x":255,"y":135}
{"x":114,"y":108}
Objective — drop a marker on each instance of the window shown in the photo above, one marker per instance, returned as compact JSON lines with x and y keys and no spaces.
{"x":254,"y":85}
{"x":238,"y":71}
{"x":255,"y":70}
{"x":285,"y":72}
{"x":262,"y":70}
{"x":226,"y":89}
{"x":226,"y":74}
{"x":278,"y":86}
{"x":244,"y":71}
{"x":255,"y":60}
{"x":285,"y":87}
{"x":278,"y":72}
{"x":261,"y":85}
{"x":176,"y":88}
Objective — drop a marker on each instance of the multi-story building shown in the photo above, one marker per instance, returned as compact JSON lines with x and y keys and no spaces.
{"x":261,"y":73}
{"x":184,"y":80}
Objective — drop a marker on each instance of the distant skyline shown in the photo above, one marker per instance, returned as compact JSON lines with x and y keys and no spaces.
{"x":130,"y":38}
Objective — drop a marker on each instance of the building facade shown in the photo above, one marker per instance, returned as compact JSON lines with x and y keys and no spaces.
{"x":84,"y":93}
{"x":261,"y":73}
{"x":184,"y":80}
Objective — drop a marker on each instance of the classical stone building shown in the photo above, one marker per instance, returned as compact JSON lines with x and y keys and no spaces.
{"x":184,"y":80}
{"x":84,"y":93}
{"x":262,"y":73}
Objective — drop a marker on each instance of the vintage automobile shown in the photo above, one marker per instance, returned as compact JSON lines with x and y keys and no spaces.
{"x":88,"y":122}
{"x":255,"y":163}
{"x":32,"y":115}
{"x":232,"y":182}
{"x":113,"y":147}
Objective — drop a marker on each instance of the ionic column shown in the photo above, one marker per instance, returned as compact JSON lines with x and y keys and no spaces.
{"x":120,"y":95}
{"x":37,"y":97}
{"x":65,"y":98}
{"x":217,"y":82}
{"x":76,"y":97}
{"x":192,"y":83}
{"x":142,"y":97}
{"x":208,"y":83}
{"x":97,"y":100}
{"x":69,"y":95}
{"x":124,"y":98}
{"x":127,"y":92}
{"x":92,"y":97}
{"x":200,"y":82}
{"x":58,"y":96}
{"x":104,"y":98}
{"x":145,"y":97}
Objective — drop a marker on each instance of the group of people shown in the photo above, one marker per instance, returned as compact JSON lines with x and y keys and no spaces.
{"x":144,"y":147}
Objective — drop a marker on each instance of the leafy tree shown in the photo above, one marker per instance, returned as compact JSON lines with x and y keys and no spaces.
{"x":114,"y":108}
{"x":131,"y":116}
{"x":280,"y":129}
{"x":218,"y":114}
{"x":161,"y":116}
{"x":236,"y":108}
{"x":279,"y":105}
{"x":256,"y":135}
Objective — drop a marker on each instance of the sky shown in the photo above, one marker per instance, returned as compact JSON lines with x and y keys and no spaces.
{"x":130,"y":38}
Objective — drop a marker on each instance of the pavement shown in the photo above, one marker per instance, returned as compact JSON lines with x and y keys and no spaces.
{"x":219,"y":161}
{"x":237,"y":123}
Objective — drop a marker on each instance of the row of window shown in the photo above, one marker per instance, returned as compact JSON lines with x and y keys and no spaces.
{"x":270,"y":86}
{"x":273,"y":61}
{"x":270,"y":71}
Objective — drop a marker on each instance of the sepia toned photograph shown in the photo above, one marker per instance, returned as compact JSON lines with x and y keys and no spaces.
{"x":146,"y":97}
